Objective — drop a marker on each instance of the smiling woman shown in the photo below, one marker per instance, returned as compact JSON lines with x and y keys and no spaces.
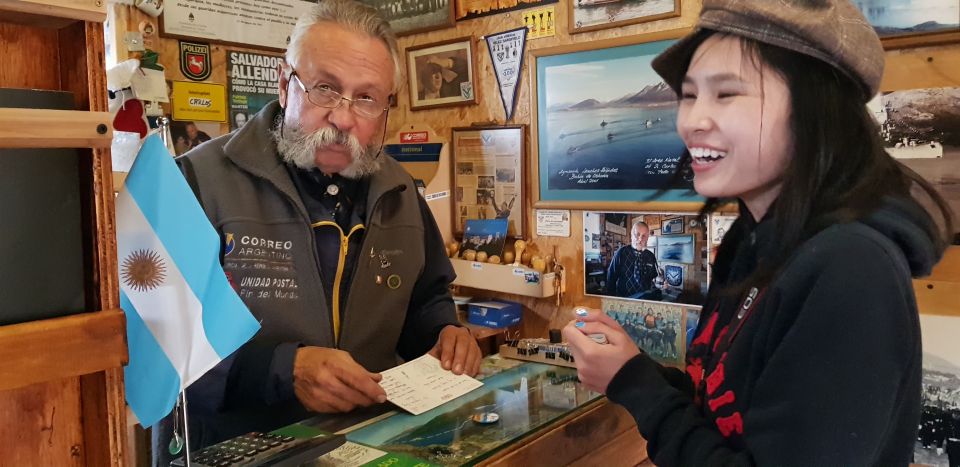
{"x":816,"y":269}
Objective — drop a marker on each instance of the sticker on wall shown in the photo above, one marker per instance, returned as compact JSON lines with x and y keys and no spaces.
{"x":540,"y":22}
{"x":506,"y":54}
{"x":199,"y":101}
{"x":195,"y":60}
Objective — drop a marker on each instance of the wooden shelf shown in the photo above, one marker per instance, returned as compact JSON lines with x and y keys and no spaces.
{"x":82,"y":10}
{"x":40,"y":128}
{"x":939,"y":293}
{"x":518,"y":280}
{"x":58,"y":348}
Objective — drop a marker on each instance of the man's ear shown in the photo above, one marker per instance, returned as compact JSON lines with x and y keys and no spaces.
{"x":284,"y":70}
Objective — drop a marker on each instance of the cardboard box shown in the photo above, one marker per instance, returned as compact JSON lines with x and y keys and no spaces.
{"x":494,"y":313}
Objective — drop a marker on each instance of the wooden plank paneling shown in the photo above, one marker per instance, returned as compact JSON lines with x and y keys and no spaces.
{"x":927,"y":67}
{"x":939,"y":293}
{"x":62,"y":347}
{"x":104,"y":411}
{"x":40,"y":425}
{"x":627,"y":449}
{"x":83,"y":10}
{"x":31,"y":128}
{"x":25,"y":50}
{"x":61,"y":385}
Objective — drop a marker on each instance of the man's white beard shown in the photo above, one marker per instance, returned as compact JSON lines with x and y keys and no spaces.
{"x":298,"y":147}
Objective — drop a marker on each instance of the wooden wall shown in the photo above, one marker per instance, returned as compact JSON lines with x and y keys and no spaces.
{"x":906,"y":68}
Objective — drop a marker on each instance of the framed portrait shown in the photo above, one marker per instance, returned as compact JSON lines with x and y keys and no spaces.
{"x":415,"y":17}
{"x":442,"y":74}
{"x":648,"y":266}
{"x":604,"y":134}
{"x":590,"y":15}
{"x":912,"y":23}
{"x":672,"y":226}
{"x":489,"y":177}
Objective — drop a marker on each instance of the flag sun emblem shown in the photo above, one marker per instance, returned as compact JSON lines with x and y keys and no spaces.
{"x":143,"y":270}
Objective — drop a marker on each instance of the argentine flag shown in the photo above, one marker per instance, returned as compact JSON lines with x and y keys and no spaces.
{"x":182,"y":315}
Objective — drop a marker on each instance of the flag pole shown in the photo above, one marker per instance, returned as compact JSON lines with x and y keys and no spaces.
{"x":186,"y":429}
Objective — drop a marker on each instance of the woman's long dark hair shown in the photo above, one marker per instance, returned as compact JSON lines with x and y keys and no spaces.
{"x":839,"y":171}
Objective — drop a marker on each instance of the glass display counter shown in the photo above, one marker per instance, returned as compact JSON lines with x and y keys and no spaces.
{"x":522,"y":406}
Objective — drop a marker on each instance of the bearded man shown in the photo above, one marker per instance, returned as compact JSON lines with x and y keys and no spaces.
{"x":329,"y":244}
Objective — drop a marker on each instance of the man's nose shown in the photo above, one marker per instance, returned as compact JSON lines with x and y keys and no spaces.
{"x":342,"y":116}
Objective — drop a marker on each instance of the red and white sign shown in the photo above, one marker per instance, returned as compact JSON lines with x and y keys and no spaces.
{"x":414,"y":137}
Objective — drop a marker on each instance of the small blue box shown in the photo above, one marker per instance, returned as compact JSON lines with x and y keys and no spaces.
{"x":494,"y":313}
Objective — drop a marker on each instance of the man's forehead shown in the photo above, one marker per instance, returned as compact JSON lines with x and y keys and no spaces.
{"x":336,"y":53}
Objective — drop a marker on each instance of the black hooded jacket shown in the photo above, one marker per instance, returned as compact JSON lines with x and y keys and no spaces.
{"x":820,"y":367}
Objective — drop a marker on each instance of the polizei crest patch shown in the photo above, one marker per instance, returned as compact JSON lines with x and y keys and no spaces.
{"x":195,"y":60}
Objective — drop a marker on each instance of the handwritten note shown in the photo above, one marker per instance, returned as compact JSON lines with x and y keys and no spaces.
{"x":661,"y":165}
{"x":422,"y":384}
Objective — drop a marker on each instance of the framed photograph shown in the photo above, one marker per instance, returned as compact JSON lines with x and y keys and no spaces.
{"x":590,"y":15}
{"x":672,"y":226}
{"x":442,"y":74}
{"x":913,"y":23}
{"x":657,"y":328}
{"x":489,"y":175}
{"x":604,"y":134}
{"x":921,"y":129}
{"x":415,"y":17}
{"x":676,"y":248}
{"x":626,"y":255}
{"x":719,"y":226}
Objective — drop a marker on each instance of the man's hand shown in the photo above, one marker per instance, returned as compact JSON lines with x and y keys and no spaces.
{"x":329,"y":380}
{"x":598,"y":363}
{"x":457,"y":351}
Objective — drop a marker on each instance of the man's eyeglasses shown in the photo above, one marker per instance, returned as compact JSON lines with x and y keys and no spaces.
{"x":322,"y":95}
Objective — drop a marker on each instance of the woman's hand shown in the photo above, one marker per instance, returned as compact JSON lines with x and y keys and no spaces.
{"x":598,"y":363}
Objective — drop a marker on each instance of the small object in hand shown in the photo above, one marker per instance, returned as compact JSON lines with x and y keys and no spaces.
{"x":581,"y":311}
{"x":486,"y":418}
{"x":598,"y":337}
{"x":555,"y":336}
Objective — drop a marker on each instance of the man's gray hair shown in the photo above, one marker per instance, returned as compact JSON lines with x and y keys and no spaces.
{"x":354,"y":16}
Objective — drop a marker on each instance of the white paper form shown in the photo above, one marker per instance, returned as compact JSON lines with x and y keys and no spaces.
{"x":422,"y":384}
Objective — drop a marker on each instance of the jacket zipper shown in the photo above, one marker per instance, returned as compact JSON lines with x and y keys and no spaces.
{"x":341,"y":260}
